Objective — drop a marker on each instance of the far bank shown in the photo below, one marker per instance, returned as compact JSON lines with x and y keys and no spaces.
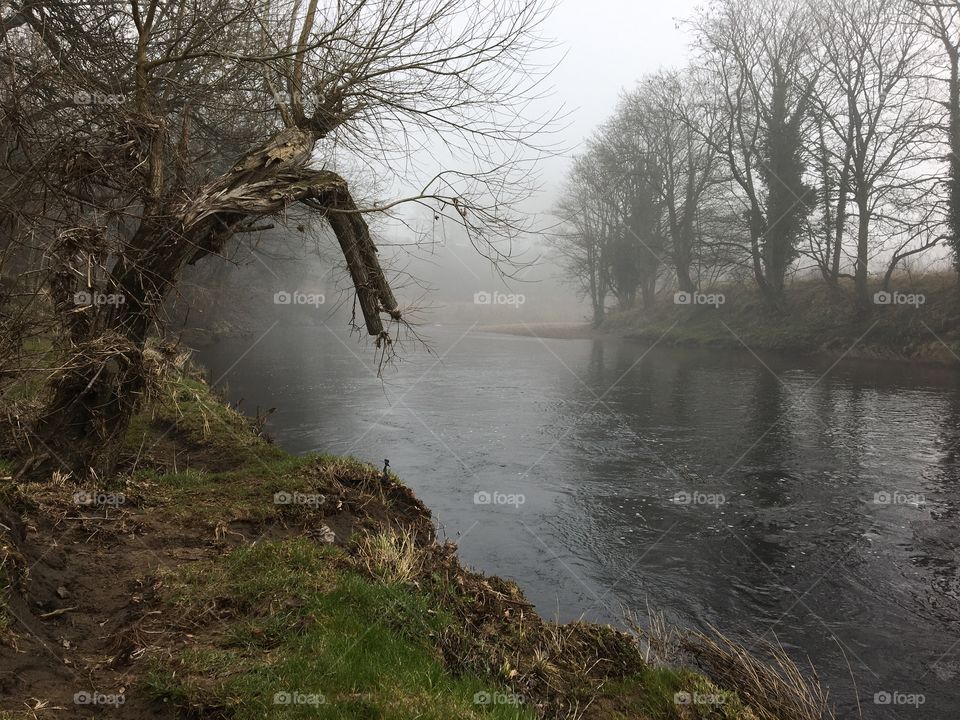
{"x":917,"y":320}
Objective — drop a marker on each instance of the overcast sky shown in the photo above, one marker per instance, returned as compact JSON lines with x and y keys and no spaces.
{"x":609,"y":45}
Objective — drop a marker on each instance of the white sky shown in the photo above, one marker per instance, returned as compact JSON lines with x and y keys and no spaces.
{"x":609,"y":45}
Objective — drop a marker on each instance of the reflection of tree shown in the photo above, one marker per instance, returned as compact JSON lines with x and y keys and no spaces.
{"x":948,"y":440}
{"x":595,"y":368}
{"x":684,"y":409}
{"x":936,"y":540}
{"x":768,"y":425}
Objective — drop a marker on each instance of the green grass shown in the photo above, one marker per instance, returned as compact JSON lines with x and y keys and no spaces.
{"x":199,"y":418}
{"x":245,"y":492}
{"x":654,"y":694}
{"x":37,"y":353}
{"x":297,"y":622}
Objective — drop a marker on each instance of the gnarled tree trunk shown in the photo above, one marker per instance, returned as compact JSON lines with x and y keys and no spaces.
{"x":103,"y":380}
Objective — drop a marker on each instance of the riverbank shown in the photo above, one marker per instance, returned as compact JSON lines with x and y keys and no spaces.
{"x":217,"y":576}
{"x":919,"y":321}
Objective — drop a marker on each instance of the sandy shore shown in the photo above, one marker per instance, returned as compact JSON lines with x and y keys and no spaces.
{"x":559,"y":330}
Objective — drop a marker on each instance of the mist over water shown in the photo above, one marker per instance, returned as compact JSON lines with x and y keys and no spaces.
{"x":752,"y":494}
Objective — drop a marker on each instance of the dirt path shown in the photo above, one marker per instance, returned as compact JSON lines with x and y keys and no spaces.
{"x":85,"y":575}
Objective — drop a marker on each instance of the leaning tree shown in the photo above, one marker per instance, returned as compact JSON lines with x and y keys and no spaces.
{"x":141,"y":136}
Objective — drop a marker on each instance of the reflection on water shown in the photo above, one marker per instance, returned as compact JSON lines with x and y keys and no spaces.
{"x":838,"y":529}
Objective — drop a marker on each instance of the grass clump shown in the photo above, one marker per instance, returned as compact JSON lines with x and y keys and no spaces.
{"x":666,"y":693}
{"x":391,"y":555}
{"x":775,"y":687}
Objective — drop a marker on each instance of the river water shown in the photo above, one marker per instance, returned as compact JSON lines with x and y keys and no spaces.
{"x":756,"y":494}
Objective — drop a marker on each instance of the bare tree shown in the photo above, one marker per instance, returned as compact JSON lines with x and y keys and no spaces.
{"x":128,"y":147}
{"x":678,"y":122}
{"x":875,"y":115}
{"x":590,"y":222}
{"x":759,"y":55}
{"x":635,"y":179}
{"x":941,"y":20}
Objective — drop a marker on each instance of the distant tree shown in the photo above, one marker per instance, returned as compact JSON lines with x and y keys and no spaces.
{"x":584,"y":240}
{"x":873,"y":104}
{"x":758,"y":53}
{"x":678,"y":119}
{"x":613,"y":207}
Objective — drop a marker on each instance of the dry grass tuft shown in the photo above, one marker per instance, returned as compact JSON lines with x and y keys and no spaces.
{"x":764,"y":677}
{"x":391,"y":555}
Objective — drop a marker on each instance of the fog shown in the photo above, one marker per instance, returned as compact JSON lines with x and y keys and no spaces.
{"x":601,"y":49}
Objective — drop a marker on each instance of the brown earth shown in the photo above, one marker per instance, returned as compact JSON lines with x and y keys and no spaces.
{"x":82,"y":611}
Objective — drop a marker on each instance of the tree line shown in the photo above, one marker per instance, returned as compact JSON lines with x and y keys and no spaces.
{"x":804,"y":135}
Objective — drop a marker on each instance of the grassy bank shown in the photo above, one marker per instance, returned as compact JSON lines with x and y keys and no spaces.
{"x":218,"y":577}
{"x":814,"y":319}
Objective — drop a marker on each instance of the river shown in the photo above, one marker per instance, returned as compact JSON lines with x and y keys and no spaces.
{"x":758,"y":494}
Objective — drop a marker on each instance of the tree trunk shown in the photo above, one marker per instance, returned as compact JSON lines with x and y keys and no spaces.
{"x":841,"y":218}
{"x":756,"y":235}
{"x":683,"y":258}
{"x":103,"y":381}
{"x":954,"y":199}
{"x":863,"y":248}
